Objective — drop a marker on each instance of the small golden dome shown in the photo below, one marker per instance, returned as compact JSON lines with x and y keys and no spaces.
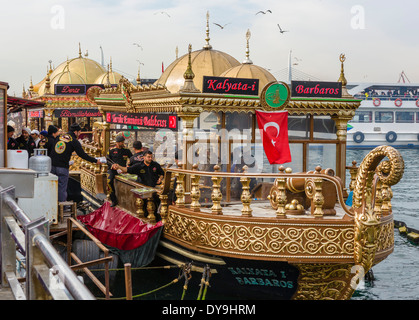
{"x":114,"y":77}
{"x":248,"y":70}
{"x":205,"y":62}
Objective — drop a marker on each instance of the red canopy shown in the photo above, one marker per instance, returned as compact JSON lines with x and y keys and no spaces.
{"x":117,"y":228}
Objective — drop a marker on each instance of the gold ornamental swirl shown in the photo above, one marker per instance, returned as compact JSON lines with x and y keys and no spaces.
{"x":370,"y":235}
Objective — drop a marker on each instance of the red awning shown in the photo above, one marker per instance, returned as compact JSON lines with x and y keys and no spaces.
{"x":15,"y":104}
{"x":117,"y":228}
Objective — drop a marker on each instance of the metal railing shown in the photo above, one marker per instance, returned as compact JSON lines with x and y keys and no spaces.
{"x":47,"y":274}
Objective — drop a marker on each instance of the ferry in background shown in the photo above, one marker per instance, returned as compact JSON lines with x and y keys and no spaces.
{"x":388,"y":115}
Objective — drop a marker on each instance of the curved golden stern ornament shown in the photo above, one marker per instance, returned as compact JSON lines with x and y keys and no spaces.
{"x":372,"y":187}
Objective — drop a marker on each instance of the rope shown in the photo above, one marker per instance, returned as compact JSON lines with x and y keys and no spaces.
{"x":139,"y":268}
{"x":204,"y":282}
{"x":187,"y":274}
{"x":182,"y":273}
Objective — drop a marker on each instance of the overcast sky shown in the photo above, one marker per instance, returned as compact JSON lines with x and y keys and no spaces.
{"x":379,"y":38}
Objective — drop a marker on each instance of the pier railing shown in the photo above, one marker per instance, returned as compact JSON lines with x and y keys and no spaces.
{"x":47,"y":274}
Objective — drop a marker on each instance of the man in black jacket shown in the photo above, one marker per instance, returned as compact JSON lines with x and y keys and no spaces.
{"x":11,"y":142}
{"x":118,"y":155}
{"x":48,"y":142}
{"x":25,"y":142}
{"x":138,"y":155}
{"x":60,"y":157}
{"x":149,"y":172}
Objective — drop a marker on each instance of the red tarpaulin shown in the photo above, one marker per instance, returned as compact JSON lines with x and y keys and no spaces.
{"x":117,"y":228}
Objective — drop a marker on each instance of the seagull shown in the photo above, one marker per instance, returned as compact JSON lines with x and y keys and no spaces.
{"x":136,"y":44}
{"x":222,"y":27}
{"x":280,"y":30}
{"x":264,"y":12}
{"x":163,"y":12}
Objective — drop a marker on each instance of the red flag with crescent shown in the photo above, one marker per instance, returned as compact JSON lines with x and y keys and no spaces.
{"x":273,"y":128}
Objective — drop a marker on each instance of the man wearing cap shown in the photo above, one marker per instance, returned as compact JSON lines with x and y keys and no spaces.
{"x":35,"y":137}
{"x":49,"y":141}
{"x":138,"y":155}
{"x":11,"y":142}
{"x":64,"y":146}
{"x":43,"y":134}
{"x":118,"y":155}
{"x":25,"y":141}
{"x":149,"y":172}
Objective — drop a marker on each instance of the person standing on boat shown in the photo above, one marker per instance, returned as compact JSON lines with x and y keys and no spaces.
{"x":35,"y":137}
{"x":118,"y":155}
{"x":49,"y":141}
{"x":149,"y":173}
{"x":138,"y":155}
{"x":11,"y":142}
{"x":64,"y":147}
{"x":25,"y":141}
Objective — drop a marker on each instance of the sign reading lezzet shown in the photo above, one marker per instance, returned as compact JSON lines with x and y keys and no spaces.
{"x":231,"y":85}
{"x":319,"y":89}
{"x":143,"y":120}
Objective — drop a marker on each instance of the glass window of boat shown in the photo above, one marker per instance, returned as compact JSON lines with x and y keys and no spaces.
{"x":324,"y":128}
{"x":322,"y":155}
{"x":417,"y":116}
{"x":405,"y":117}
{"x":298,"y":127}
{"x":384,"y":116}
{"x":362,"y":117}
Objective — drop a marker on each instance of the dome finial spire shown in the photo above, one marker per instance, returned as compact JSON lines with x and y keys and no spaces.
{"x":247,"y":60}
{"x":79,"y":51}
{"x":189,"y":86}
{"x":207,"y":39}
{"x":342,"y":78}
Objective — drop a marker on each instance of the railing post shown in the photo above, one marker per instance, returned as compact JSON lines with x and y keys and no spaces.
{"x":245,"y":196}
{"x":282,"y":196}
{"x":216,"y":194}
{"x":34,"y":257}
{"x":8,"y":245}
{"x":195,"y":193}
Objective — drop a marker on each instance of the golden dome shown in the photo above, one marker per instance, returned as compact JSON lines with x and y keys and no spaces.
{"x":114,"y":77}
{"x":87,"y":69}
{"x":248,"y":70}
{"x":205,"y":62}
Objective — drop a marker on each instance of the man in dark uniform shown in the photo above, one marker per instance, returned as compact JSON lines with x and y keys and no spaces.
{"x":138,"y":155}
{"x":118,"y":155}
{"x":60,"y":158}
{"x":49,"y":141}
{"x":11,"y":142}
{"x":26,"y":142}
{"x":149,"y":173}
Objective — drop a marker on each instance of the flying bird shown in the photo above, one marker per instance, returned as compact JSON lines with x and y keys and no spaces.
{"x":280,"y":30}
{"x":136,"y":44}
{"x":222,"y":27}
{"x":264,"y":12}
{"x":163,"y":12}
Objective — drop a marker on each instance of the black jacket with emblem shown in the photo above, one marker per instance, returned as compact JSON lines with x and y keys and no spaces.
{"x":65,"y":144}
{"x":147,"y":174}
{"x":48,"y":143}
{"x":28,"y":145}
{"x":12,"y":144}
{"x":136,"y":158}
{"x":119,"y":156}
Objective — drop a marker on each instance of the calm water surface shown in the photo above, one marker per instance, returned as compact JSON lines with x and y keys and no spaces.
{"x":397,"y":277}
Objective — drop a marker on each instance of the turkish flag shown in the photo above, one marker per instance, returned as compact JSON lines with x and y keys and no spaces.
{"x":273,"y":128}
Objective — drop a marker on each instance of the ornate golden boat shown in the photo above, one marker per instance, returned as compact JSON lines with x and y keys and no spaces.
{"x":290,"y":235}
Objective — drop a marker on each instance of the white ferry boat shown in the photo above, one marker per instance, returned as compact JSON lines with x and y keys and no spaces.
{"x":388,"y":115}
